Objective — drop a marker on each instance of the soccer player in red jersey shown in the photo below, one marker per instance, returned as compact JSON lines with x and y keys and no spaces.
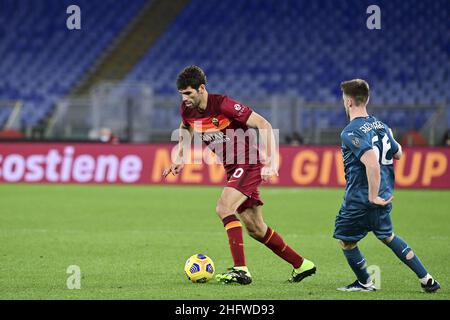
{"x":219,"y":120}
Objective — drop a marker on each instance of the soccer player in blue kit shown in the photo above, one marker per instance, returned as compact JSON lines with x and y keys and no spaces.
{"x":369,"y":150}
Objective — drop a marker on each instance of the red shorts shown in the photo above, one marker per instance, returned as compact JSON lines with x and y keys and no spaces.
{"x":246,"y":179}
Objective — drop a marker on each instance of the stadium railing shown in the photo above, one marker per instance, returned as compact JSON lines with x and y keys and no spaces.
{"x":124,"y":108}
{"x":134,"y":113}
{"x":10,"y":111}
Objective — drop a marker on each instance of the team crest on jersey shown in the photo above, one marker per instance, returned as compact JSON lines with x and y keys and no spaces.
{"x":215,"y":121}
{"x":356,"y":142}
{"x":237,"y":107}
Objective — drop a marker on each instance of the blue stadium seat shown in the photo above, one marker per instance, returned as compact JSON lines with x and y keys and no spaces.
{"x":253,"y":47}
{"x":307,"y":48}
{"x":42,"y":59}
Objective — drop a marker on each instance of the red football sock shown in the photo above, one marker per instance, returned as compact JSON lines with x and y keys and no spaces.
{"x":276,"y":243}
{"x":234,"y":230}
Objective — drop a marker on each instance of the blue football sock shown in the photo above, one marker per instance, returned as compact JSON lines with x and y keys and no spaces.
{"x":358,"y":264}
{"x":405,"y":253}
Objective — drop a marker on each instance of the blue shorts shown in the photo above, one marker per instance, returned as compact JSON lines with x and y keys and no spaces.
{"x":353,"y":224}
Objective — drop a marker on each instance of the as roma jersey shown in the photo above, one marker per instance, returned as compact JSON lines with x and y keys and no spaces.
{"x":222,"y":127}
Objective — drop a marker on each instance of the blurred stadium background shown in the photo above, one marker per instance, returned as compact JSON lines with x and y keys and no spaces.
{"x":284,"y":58}
{"x":62,"y":91}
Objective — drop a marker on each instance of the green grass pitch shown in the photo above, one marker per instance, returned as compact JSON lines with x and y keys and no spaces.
{"x":131,"y":242}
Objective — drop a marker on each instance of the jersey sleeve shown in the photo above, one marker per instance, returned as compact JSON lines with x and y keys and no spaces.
{"x":235,"y":111}
{"x":356,"y":141}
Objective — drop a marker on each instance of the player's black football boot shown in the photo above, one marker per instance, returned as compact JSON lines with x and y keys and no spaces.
{"x":235,"y":275}
{"x":306,"y":269}
{"x":358,"y":287}
{"x":431,"y":286}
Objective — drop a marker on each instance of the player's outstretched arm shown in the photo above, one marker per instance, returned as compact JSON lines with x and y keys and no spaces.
{"x":178,"y":164}
{"x":369,"y":158}
{"x":399,"y":153}
{"x":266,"y":132}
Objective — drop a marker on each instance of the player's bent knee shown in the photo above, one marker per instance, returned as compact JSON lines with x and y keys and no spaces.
{"x":388,"y":240}
{"x":223,"y":210}
{"x":347,"y":245}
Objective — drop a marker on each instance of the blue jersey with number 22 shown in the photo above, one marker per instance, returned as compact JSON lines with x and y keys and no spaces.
{"x":360,"y":135}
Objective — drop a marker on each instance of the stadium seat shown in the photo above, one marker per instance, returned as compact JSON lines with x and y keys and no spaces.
{"x":42,"y":59}
{"x":307,"y":48}
{"x":253,"y":47}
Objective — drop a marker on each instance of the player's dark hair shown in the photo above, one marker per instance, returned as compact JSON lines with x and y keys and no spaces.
{"x":191,"y":76}
{"x":358,"y":89}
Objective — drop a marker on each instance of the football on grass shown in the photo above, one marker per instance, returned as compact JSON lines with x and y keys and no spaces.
{"x":199,"y":268}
